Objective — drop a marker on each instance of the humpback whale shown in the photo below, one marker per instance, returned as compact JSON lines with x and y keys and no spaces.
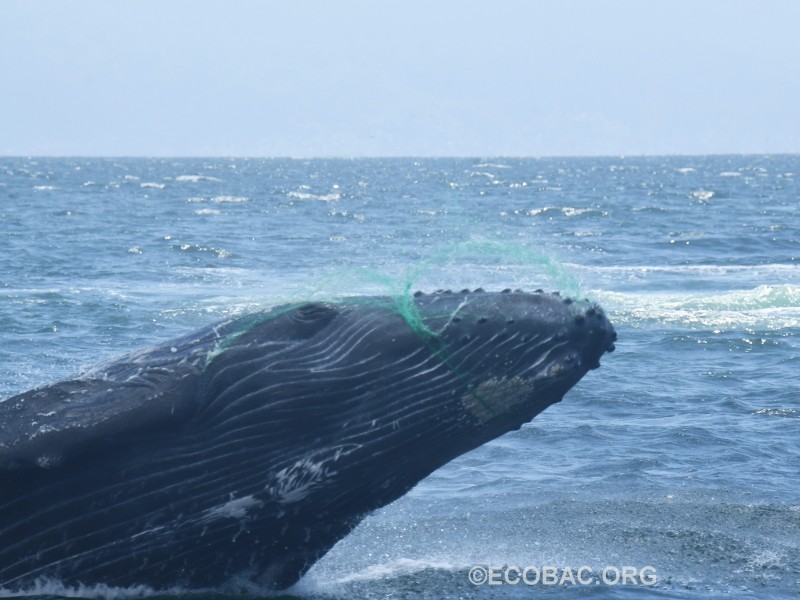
{"x":246,"y":450}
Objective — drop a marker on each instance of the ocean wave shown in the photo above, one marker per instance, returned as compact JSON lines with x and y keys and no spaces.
{"x":790,"y":413}
{"x":489,"y":165}
{"x":703,"y":195}
{"x":153,"y":185}
{"x":765,"y":307}
{"x":759,"y":298}
{"x":332,"y":197}
{"x":230,"y":199}
{"x":567,"y":211}
{"x":761,"y":272}
{"x":219,"y":252}
{"x":221,"y":199}
{"x":196,"y":178}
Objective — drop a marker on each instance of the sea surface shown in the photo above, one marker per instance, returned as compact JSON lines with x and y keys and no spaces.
{"x":681,"y":453}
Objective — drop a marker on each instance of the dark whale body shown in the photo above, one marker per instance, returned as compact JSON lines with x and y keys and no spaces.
{"x":248,"y":449}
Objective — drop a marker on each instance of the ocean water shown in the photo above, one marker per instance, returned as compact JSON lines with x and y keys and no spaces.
{"x":680,"y":454}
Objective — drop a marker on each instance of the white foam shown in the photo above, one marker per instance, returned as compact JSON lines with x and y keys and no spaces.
{"x":567,"y":211}
{"x":220,"y":199}
{"x":397,"y":568}
{"x":332,"y":197}
{"x":703,"y":195}
{"x":778,"y":412}
{"x":50,"y":587}
{"x":764,"y":307}
{"x":230,"y":199}
{"x":761,"y":270}
{"x":220,"y":252}
{"x":572,"y":212}
{"x":153,"y":185}
{"x":196,"y":178}
{"x":765,"y":559}
{"x":207,"y":211}
{"x":488,"y":165}
{"x":44,"y":188}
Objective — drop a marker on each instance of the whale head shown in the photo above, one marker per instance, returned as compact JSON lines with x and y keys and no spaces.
{"x":517,"y":353}
{"x":248,"y":449}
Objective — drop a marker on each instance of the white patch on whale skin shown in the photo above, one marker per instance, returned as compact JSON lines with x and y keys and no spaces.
{"x":294,"y":483}
{"x":233,"y":509}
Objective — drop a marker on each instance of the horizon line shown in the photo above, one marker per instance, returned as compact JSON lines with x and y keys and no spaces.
{"x":390,"y":156}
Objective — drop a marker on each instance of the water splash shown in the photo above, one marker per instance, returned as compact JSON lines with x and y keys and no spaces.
{"x":469,"y":264}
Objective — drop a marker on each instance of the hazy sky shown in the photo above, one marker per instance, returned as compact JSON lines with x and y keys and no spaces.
{"x":392,"y":78}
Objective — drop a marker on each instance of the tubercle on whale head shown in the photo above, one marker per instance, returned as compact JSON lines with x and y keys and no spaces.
{"x":516,"y":352}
